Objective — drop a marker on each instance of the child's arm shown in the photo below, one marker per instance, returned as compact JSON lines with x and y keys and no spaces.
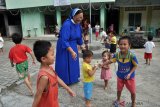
{"x":33,"y":58}
{"x":135,"y":64}
{"x":132,"y":70}
{"x":69,"y":90}
{"x":43,"y":82}
{"x":12,"y":65}
{"x":91,"y":72}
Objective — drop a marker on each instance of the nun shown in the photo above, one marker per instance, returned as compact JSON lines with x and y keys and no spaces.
{"x":67,"y":59}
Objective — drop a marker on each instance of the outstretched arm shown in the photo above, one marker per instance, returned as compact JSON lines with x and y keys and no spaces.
{"x":12,"y":65}
{"x":69,"y":90}
{"x":91,"y":72}
{"x":33,"y":58}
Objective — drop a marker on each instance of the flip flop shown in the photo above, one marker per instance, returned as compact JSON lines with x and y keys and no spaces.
{"x":119,"y":104}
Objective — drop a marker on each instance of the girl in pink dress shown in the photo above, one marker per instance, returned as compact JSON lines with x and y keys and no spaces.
{"x":105,"y":68}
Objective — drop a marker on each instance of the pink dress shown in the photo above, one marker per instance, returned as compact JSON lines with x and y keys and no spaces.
{"x":105,"y":71}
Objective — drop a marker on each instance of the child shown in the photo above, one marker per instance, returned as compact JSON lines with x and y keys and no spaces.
{"x":17,"y":55}
{"x":1,"y":43}
{"x":48,"y":80}
{"x":127,"y":64}
{"x":103,"y":35}
{"x":107,"y":44}
{"x":105,"y":68}
{"x":86,"y":27}
{"x":97,"y":28}
{"x":113,"y":41}
{"x":88,"y":76}
{"x":56,"y":31}
{"x":149,"y":45}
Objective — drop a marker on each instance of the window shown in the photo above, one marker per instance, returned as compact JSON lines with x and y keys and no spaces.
{"x":135,"y":19}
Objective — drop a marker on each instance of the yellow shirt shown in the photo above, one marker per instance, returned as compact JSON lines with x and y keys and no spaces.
{"x":85,"y":69}
{"x":114,"y":40}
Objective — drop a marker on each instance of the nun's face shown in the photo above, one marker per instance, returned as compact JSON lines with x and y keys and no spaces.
{"x":78,"y":18}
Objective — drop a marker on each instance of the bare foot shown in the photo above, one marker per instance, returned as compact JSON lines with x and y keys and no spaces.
{"x":88,"y":104}
{"x":105,"y":88}
{"x":133,"y":105}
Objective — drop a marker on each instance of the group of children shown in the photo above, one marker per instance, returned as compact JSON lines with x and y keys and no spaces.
{"x":47,"y":82}
{"x":127,"y":63}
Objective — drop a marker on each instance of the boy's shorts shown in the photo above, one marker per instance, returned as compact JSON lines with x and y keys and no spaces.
{"x":147,"y":55}
{"x":88,"y":87}
{"x":97,"y":34}
{"x":22,"y":69}
{"x":130,"y":85}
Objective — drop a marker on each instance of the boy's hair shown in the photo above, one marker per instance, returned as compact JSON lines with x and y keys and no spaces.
{"x":40,"y":49}
{"x":150,"y":38}
{"x":87,"y":53}
{"x":125,"y":37}
{"x":108,"y":53}
{"x":16,"y":38}
{"x":101,"y":29}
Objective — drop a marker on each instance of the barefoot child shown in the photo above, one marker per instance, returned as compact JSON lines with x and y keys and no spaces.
{"x":88,"y":76}
{"x":149,"y":45}
{"x":48,"y":80}
{"x":127,"y":64}
{"x":105,"y":68}
{"x":17,"y":55}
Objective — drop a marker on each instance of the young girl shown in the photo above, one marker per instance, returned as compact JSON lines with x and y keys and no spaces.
{"x":105,"y":68}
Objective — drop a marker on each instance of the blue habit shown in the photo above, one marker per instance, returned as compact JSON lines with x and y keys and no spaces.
{"x":66,"y":67}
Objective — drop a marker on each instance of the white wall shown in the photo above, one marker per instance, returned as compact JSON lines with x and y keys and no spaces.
{"x":155,"y":22}
{"x":126,"y":18}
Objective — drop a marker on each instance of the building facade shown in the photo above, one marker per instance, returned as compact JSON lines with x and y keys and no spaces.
{"x":39,"y":17}
{"x":144,"y":13}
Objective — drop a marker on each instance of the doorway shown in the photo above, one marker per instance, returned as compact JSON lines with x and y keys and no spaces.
{"x":113,"y":18}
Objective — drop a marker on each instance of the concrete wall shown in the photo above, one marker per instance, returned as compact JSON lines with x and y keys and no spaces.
{"x":126,"y":18}
{"x":31,"y":20}
{"x":155,"y":22}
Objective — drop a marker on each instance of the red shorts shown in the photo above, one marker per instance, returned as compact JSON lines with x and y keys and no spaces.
{"x":147,"y":55}
{"x":97,"y":34}
{"x":130,"y":85}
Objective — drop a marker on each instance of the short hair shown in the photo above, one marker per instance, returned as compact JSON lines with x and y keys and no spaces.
{"x":101,"y":28}
{"x":125,"y":37}
{"x":41,"y":48}
{"x":150,"y":38}
{"x":108,"y":53}
{"x":87,"y":53}
{"x":16,"y":38}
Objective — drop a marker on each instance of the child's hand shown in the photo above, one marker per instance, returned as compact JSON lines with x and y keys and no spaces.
{"x":128,"y":76}
{"x":12,"y":65}
{"x":33,"y":62}
{"x":95,"y":67}
{"x":72,"y":93}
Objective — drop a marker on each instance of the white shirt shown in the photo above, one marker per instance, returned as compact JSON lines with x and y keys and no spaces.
{"x":149,"y":45}
{"x":97,"y":27}
{"x":103,"y":34}
{"x":1,"y":42}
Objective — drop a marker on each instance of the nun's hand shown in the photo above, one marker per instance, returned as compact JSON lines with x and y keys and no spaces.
{"x":83,"y":48}
{"x":74,"y":55}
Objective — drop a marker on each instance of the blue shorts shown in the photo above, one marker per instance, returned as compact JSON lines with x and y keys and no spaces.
{"x":88,"y":87}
